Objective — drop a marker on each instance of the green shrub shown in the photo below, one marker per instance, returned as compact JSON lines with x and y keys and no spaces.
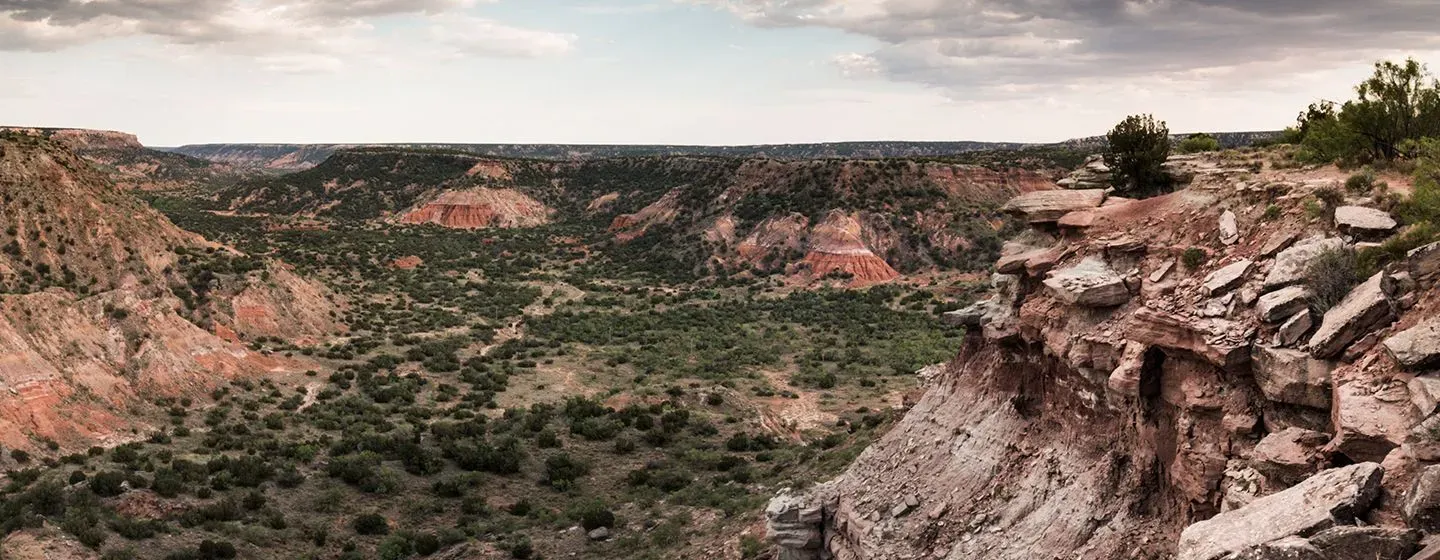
{"x":1199,"y":142}
{"x":1330,"y":276}
{"x":1361,"y":182}
{"x":1136,"y":150}
{"x":1193,"y":257}
{"x":370,"y":524}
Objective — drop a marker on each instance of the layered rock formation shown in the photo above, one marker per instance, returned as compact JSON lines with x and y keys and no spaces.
{"x":480,"y":208}
{"x":91,"y":319}
{"x":1109,"y":403}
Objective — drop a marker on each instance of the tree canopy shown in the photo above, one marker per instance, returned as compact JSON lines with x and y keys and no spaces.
{"x":1136,"y":153}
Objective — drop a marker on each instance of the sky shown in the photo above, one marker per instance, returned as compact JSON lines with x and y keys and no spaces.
{"x":685,"y":71}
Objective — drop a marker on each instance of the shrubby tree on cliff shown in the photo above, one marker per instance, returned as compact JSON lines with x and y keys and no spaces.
{"x":1395,"y":108}
{"x":1137,"y":150}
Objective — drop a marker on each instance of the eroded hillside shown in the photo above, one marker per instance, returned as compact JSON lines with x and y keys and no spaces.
{"x":107,"y":305}
{"x":856,"y":221}
{"x":1168,"y":377}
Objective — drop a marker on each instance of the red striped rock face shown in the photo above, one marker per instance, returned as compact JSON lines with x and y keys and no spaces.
{"x":480,"y":208}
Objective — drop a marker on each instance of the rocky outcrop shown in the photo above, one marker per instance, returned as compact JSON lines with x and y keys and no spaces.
{"x":1050,"y":206}
{"x":1282,"y":304}
{"x":1363,"y":222}
{"x":1416,"y":347}
{"x":1292,"y":377}
{"x":1227,"y":278}
{"x":1290,"y":455}
{"x":836,"y":247}
{"x":794,"y":523}
{"x":1291,"y":265}
{"x":1364,"y":309}
{"x":1371,"y":418}
{"x":1331,"y":498}
{"x":1091,"y":283}
{"x":480,"y":208}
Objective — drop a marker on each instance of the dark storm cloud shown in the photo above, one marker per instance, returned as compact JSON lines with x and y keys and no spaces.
{"x":968,"y":45}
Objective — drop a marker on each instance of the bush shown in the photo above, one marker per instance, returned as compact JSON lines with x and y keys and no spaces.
{"x":1361,"y":182}
{"x":594,"y":515}
{"x":1331,"y":275}
{"x":562,"y":470}
{"x":1200,"y":142}
{"x":1136,"y":151}
{"x":371,"y":524}
{"x":1194,"y":257}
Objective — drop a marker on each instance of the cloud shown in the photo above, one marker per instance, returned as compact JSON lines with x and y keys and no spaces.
{"x":299,"y":36}
{"x":999,"y":47}
{"x":467,"y":35}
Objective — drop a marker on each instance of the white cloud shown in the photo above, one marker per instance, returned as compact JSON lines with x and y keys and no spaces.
{"x":467,"y":35}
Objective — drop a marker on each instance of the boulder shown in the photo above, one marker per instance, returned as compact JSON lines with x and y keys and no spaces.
{"x":1289,"y":456}
{"x":1348,"y":542}
{"x":1282,"y":304}
{"x":1280,"y":416}
{"x":1291,"y":264}
{"x":1328,"y":499}
{"x":1422,"y":504}
{"x":1424,"y":261}
{"x":1227,"y":278}
{"x":1049,"y":206}
{"x":1292,"y":377}
{"x":1416,"y":347}
{"x":1295,"y":329}
{"x":1229,"y":230}
{"x":1089,"y":284}
{"x":599,"y":534}
{"x":1362,"y":221}
{"x":795,"y":523}
{"x":1371,"y":418}
{"x":972,"y":316}
{"x":1365,"y":309}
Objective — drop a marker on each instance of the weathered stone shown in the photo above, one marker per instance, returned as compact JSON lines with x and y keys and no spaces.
{"x":1371,"y":418}
{"x":1124,"y":380}
{"x":1330,"y":498}
{"x":1425,"y":393}
{"x":1079,"y":219}
{"x":1359,"y":220}
{"x":1349,"y":542}
{"x":1289,"y":456}
{"x":1224,"y":343}
{"x":1161,"y":271}
{"x":1282,"y":304}
{"x":1278,"y":241}
{"x":1050,"y":206}
{"x":1295,"y":329}
{"x":1422,"y":504}
{"x":1089,"y":284}
{"x":1292,"y":377}
{"x":1423,"y":441}
{"x":794,"y":522}
{"x":599,"y":534}
{"x":972,"y":316}
{"x":1288,"y":548}
{"x":1014,"y":264}
{"x":1364,"y":309}
{"x":1229,"y":230}
{"x":1424,"y":261}
{"x":1291,"y":264}
{"x":1040,"y":263}
{"x":1227,"y":278}
{"x":1418,"y":346}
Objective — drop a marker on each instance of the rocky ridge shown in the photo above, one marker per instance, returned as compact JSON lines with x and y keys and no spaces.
{"x":103,"y":301}
{"x":1112,"y":402}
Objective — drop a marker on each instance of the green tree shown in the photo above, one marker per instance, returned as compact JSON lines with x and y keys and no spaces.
{"x":1399,"y":102}
{"x":1198,"y":142}
{"x":1137,"y":150}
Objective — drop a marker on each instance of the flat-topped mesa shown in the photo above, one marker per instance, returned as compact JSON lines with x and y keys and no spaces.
{"x":80,"y":139}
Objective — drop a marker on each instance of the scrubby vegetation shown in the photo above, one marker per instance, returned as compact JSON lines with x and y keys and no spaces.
{"x":1136,"y":150}
{"x":512,"y":387}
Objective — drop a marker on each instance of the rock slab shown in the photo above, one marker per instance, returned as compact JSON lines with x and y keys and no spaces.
{"x":1292,"y":264}
{"x":1331,"y":498}
{"x":1089,"y":284}
{"x":1282,"y":304}
{"x":1049,"y":206}
{"x":1416,"y":347}
{"x":1292,"y":377}
{"x":1231,"y":276}
{"x":1365,"y":309}
{"x":1361,"y":220}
